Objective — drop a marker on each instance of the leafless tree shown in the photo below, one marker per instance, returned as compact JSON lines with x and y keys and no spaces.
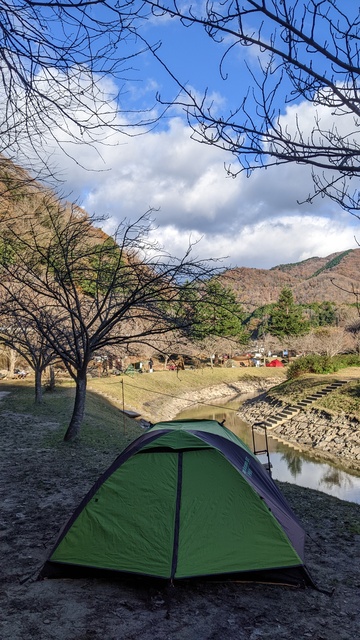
{"x":323,"y":341}
{"x":306,"y":50}
{"x":53,"y":56}
{"x":171,"y":343}
{"x":95,"y":291}
{"x":19,"y":332}
{"x":8,"y":357}
{"x":353,"y":289}
{"x":215,"y":346}
{"x":353,"y":330}
{"x":331,"y":341}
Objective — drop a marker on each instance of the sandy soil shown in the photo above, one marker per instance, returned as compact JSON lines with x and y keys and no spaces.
{"x":41,"y":485}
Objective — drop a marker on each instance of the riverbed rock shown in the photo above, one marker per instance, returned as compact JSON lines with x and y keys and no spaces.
{"x":323,"y":435}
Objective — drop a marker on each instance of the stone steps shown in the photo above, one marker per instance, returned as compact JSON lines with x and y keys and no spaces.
{"x":290,"y":411}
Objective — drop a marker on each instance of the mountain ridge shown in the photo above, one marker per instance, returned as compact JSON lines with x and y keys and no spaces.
{"x":317,"y":279}
{"x":331,"y":278}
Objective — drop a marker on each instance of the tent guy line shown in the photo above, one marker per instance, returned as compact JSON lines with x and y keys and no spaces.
{"x":169,"y":395}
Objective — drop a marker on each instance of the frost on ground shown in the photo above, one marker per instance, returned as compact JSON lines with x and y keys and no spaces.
{"x":41,"y":483}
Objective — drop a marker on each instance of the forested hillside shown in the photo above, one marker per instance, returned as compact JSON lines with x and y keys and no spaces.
{"x":330,"y":279}
{"x":333,"y":278}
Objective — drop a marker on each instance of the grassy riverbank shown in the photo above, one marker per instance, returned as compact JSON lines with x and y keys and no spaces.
{"x":345,"y":400}
{"x":149,"y":394}
{"x":156,"y":395}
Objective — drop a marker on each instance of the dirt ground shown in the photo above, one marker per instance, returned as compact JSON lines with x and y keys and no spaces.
{"x":40,"y":486}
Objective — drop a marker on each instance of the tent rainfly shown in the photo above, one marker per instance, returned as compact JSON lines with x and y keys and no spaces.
{"x":275,"y":363}
{"x":186,"y":499}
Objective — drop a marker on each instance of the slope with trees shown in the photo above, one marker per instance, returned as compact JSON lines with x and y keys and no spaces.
{"x":93,"y":291}
{"x":312,"y":281}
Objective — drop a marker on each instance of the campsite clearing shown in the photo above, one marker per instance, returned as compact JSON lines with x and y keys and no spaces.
{"x":43,"y":479}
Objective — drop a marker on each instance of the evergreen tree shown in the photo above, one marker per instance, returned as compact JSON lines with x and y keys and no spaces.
{"x":321,"y":314}
{"x":218,"y":314}
{"x":327,"y":314}
{"x":286,"y":317}
{"x":258,"y":321}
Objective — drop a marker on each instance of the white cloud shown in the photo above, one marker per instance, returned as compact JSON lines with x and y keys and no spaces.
{"x":265,"y":244}
{"x":254,"y":221}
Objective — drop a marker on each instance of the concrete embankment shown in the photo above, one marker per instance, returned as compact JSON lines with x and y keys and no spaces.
{"x":335,"y":438}
{"x":170,"y":409}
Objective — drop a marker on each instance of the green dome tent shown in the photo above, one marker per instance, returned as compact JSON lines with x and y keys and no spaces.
{"x":186,"y":499}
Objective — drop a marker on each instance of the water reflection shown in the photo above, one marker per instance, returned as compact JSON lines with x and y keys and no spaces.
{"x":288,"y":465}
{"x":294,"y":462}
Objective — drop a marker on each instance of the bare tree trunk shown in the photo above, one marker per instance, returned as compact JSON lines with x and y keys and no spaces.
{"x":12,"y":362}
{"x":51,"y":378}
{"x":79,"y":408}
{"x":38,"y":387}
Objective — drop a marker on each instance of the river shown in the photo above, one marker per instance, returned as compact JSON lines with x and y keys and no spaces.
{"x":288,"y":464}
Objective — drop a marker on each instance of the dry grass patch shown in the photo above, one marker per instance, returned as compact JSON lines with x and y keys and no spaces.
{"x":344,"y":400}
{"x":103,"y":426}
{"x":138,"y":391}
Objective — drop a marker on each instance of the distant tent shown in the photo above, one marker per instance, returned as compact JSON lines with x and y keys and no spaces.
{"x":275,"y":363}
{"x":186,"y":499}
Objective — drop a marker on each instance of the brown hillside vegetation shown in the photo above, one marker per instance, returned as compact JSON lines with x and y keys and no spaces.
{"x":332,"y":278}
{"x":25,"y":202}
{"x":314,"y":280}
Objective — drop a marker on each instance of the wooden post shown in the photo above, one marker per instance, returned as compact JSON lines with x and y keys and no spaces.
{"x":123,"y":404}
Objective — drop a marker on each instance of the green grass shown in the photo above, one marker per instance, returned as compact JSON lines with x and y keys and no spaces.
{"x":344,"y":400}
{"x":354,"y":527}
{"x":144,"y":392}
{"x":104,"y":425}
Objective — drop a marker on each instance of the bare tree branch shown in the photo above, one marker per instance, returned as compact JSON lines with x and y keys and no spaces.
{"x":95,"y":291}
{"x":18,"y":332}
{"x":53,"y":57}
{"x":306,"y":50}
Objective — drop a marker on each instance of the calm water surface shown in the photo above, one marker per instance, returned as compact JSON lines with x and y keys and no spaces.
{"x":288,"y":465}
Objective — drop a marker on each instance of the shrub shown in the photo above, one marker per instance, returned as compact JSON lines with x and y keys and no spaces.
{"x":312,"y":364}
{"x":348,"y":360}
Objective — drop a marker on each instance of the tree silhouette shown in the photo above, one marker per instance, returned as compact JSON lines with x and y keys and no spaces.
{"x":94,"y":291}
{"x":54,"y":55}
{"x":301,"y":50}
{"x":19,"y":332}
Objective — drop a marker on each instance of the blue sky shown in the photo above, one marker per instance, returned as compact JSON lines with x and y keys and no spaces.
{"x":253,"y":222}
